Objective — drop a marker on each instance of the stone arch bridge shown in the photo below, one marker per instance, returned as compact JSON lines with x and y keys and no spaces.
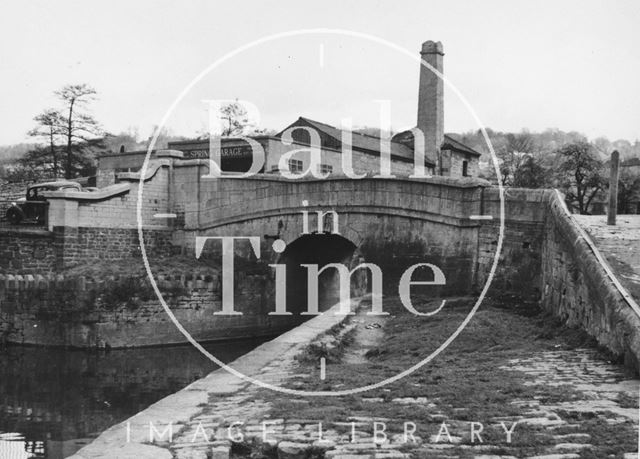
{"x":395,"y":223}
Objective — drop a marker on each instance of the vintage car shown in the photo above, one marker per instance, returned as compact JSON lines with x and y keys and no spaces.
{"x":33,"y":207}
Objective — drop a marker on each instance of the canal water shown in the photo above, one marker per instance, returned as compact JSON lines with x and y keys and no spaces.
{"x":54,"y":401}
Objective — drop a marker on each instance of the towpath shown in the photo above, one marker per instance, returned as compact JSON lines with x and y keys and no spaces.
{"x":515,"y":383}
{"x":620,"y":245}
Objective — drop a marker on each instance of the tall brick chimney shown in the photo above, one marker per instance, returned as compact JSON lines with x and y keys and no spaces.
{"x":431,"y":101}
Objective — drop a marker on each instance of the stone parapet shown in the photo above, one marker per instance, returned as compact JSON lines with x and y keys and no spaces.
{"x":578,"y":287}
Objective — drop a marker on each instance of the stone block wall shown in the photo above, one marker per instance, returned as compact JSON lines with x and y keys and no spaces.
{"x":28,"y":251}
{"x":519,"y":265}
{"x":119,"y":211}
{"x":109,"y":165}
{"x":83,"y":312}
{"x":103,"y":225}
{"x":546,"y":257}
{"x":89,"y":244}
{"x":457,"y":160}
{"x":395,"y":223}
{"x":577,"y":289}
{"x":233,"y":200}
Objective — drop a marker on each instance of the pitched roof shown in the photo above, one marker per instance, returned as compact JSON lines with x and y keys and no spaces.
{"x":448,"y":143}
{"x":453,"y":144}
{"x":360,"y":142}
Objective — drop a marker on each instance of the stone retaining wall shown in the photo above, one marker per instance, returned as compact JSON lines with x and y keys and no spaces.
{"x":577,"y":288}
{"x":519,"y":267}
{"x":116,"y":312}
{"x":38,"y":251}
{"x":546,"y":257}
{"x":89,"y":244}
{"x":27,"y":251}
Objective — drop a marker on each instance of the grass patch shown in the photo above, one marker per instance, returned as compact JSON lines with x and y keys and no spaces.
{"x":168,"y":266}
{"x":627,"y":401}
{"x":469,"y":381}
{"x":331,"y":345}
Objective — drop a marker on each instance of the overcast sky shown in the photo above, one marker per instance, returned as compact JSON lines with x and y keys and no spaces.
{"x":574,"y":65}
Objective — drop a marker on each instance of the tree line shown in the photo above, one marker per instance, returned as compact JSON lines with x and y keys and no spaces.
{"x":564,"y":160}
{"x":68,"y":140}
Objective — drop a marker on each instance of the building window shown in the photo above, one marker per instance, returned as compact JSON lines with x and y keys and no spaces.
{"x":465,"y":168}
{"x":326,"y":168}
{"x":295,"y":165}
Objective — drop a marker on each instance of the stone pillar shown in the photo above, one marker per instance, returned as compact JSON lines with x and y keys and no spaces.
{"x":614,"y":177}
{"x":62,"y":213}
{"x":63,"y":223}
{"x":431,"y":102}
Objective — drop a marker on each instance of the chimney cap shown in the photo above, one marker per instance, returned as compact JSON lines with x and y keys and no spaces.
{"x":431,"y":47}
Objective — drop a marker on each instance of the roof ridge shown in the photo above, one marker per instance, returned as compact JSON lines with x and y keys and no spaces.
{"x":454,"y":140}
{"x":339,"y":129}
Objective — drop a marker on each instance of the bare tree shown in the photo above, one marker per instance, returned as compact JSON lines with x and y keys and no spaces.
{"x":48,"y":129}
{"x":236,"y":121}
{"x":236,"y":118}
{"x":80,"y":130}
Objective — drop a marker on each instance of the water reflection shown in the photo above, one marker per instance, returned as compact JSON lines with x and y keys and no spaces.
{"x":53,"y":401}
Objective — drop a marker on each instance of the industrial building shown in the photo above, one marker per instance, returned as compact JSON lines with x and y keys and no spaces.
{"x":443,"y":155}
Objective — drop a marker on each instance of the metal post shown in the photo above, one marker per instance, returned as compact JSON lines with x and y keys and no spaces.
{"x":612,"y":210}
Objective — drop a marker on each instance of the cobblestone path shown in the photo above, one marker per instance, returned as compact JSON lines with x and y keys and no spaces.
{"x":620,"y":245}
{"x":562,"y":403}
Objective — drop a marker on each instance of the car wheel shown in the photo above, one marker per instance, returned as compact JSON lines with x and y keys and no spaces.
{"x":14,"y":216}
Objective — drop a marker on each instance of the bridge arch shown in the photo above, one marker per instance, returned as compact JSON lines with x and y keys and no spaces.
{"x":394,"y":223}
{"x":319,"y":249}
